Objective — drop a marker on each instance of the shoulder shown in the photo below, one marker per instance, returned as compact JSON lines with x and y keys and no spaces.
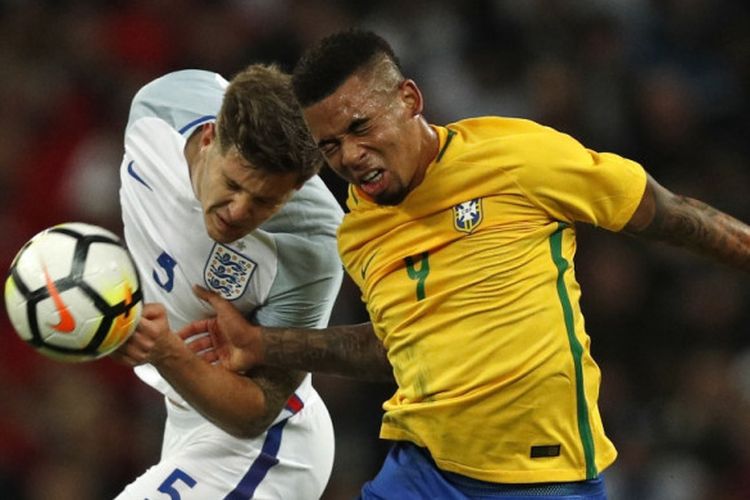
{"x":313,"y":212}
{"x":307,"y":279}
{"x":533,"y":141}
{"x":304,"y":232}
{"x":504,"y":143}
{"x":179,"y":98}
{"x":485,"y":127}
{"x":491,"y":136}
{"x":180,"y":82}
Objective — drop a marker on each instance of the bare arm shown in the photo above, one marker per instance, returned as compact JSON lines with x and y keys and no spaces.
{"x":665,"y":216}
{"x":242,"y":405}
{"x":348,"y":351}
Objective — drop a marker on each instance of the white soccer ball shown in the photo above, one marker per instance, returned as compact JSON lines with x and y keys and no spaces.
{"x":73,"y":292}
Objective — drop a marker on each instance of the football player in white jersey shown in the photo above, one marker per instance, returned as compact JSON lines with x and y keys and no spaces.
{"x":219,"y":188}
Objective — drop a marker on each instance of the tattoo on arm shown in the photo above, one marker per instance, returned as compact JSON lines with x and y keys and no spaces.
{"x":349,"y":351}
{"x":695,"y":225}
{"x":278,"y":385}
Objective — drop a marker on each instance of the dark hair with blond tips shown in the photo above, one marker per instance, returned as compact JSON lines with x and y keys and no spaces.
{"x":261,"y":118}
{"x":326,"y":65}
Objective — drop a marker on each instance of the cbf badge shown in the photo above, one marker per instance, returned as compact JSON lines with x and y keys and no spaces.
{"x":467,"y":215}
{"x":228,"y":272}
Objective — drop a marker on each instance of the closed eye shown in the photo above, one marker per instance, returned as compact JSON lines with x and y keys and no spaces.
{"x":232,"y":185}
{"x":328,"y":148}
{"x":359,"y":126}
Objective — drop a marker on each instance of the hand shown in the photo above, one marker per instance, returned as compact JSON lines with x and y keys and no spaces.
{"x":203,"y":338}
{"x":152,"y":341}
{"x":231,"y":338}
{"x":199,"y":341}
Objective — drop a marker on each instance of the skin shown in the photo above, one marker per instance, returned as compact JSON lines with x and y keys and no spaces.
{"x":686,"y":222}
{"x":236,"y":199}
{"x":351,"y":351}
{"x":243,"y":406}
{"x":374,"y":124}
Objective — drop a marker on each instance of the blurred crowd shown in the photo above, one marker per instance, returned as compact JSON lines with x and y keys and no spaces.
{"x":663,"y":82}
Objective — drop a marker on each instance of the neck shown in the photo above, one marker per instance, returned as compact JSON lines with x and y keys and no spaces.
{"x":192,"y":145}
{"x":429,"y":143}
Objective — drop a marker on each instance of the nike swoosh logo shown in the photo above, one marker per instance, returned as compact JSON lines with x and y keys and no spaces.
{"x":67,"y":323}
{"x":134,"y":175}
{"x":363,"y":271}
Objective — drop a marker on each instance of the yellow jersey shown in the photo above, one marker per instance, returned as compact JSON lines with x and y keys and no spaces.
{"x":470,"y":285}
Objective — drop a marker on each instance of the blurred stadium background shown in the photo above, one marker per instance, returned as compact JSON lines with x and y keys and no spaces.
{"x":664,"y":82}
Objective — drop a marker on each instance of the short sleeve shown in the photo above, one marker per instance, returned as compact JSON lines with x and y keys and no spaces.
{"x":575,"y":184}
{"x":309,"y":270}
{"x":308,"y":280}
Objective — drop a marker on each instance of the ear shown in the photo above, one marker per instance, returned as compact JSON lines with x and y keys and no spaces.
{"x":207,"y":134}
{"x":412,"y":96}
{"x":201,"y":138}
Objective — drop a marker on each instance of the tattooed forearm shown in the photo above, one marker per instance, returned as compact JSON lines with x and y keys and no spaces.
{"x":349,"y":351}
{"x":695,"y":225}
{"x":277,"y":385}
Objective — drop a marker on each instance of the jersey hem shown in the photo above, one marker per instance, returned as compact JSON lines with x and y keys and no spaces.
{"x":603,"y":461}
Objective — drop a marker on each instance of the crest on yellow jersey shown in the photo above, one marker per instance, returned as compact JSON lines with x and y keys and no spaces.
{"x":467,"y":215}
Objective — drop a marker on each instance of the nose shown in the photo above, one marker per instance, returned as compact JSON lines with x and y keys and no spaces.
{"x":351,"y":153}
{"x":240,"y":208}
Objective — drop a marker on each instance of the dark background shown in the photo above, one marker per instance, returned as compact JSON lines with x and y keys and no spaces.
{"x":664,"y":82}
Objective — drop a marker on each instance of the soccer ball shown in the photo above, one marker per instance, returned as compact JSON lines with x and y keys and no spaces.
{"x":73,"y":292}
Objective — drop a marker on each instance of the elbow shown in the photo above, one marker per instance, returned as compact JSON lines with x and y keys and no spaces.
{"x":248,"y":421}
{"x":247,"y":431}
{"x":248,"y":427}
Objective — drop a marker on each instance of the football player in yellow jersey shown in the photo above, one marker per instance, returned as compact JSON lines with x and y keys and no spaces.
{"x":461,"y":239}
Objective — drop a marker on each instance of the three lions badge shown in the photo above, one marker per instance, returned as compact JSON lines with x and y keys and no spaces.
{"x":228,"y":272}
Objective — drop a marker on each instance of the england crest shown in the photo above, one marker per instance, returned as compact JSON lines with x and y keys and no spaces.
{"x":228,"y":272}
{"x":467,"y":215}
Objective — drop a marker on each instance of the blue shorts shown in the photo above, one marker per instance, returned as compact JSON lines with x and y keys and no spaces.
{"x":409,"y":473}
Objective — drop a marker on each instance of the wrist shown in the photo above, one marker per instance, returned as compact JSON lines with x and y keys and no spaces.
{"x":174,"y":360}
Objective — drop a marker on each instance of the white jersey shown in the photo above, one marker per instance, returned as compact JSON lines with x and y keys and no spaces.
{"x":286,"y":273}
{"x":279,"y":275}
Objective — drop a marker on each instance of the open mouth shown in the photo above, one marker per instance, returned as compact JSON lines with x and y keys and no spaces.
{"x":373,"y":182}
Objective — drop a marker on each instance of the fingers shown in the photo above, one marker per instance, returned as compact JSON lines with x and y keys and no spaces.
{"x":153,"y":310}
{"x":122,"y":358}
{"x":134,"y":351}
{"x":146,"y":324}
{"x":197,"y":344}
{"x":207,"y":295}
{"x":195,"y":328}
{"x":203,"y":347}
{"x":208,"y":355}
{"x":153,"y":322}
{"x":215,"y":300}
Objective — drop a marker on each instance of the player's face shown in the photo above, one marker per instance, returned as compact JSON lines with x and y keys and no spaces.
{"x":369,"y":132}
{"x":235,"y":197}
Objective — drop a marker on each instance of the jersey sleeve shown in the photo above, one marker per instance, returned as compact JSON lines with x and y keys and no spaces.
{"x":309,"y":271}
{"x":575,"y":184}
{"x":307,"y":283}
